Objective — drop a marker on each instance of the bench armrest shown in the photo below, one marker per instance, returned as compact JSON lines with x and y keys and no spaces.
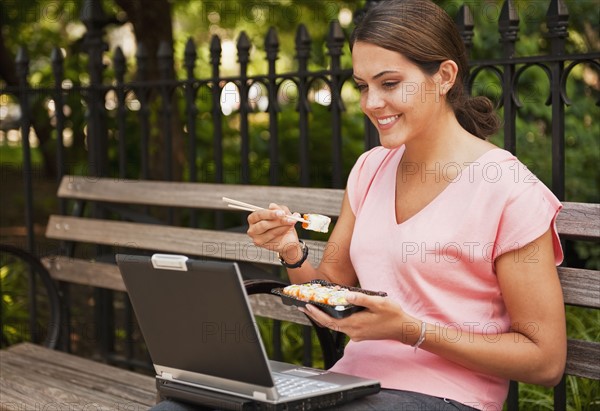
{"x":332,"y":342}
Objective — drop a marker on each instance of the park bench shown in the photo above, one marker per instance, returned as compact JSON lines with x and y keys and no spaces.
{"x":577,"y":221}
{"x":137,"y":231}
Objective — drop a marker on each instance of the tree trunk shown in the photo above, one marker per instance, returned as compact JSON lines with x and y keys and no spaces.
{"x":152,"y":25}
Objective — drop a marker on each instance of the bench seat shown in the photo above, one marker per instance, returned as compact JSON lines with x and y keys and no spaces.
{"x":34,"y":378}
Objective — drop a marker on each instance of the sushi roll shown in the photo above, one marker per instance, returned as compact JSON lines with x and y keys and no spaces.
{"x":318,"y":293}
{"x":316,"y":222}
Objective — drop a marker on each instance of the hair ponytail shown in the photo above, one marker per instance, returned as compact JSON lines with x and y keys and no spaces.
{"x":477,"y":115}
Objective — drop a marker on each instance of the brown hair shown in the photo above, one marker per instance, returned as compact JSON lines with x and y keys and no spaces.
{"x":424,"y":33}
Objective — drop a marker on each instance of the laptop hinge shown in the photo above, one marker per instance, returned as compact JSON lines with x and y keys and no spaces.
{"x":169,"y":262}
{"x":166,"y":375}
{"x":257,"y":395}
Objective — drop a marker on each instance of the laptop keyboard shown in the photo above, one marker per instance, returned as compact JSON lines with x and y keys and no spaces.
{"x":291,"y":386}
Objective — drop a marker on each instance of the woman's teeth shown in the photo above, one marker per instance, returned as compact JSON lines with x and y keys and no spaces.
{"x":387,"y":120}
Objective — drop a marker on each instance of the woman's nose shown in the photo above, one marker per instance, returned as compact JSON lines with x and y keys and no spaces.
{"x":373,"y":100}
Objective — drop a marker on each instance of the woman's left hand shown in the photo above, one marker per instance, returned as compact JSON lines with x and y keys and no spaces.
{"x":382,"y":319}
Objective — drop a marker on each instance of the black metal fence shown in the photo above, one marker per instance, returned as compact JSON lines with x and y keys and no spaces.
{"x":178,"y":101}
{"x":188,"y":111}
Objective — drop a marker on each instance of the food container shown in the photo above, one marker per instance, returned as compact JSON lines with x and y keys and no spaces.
{"x":335,"y":311}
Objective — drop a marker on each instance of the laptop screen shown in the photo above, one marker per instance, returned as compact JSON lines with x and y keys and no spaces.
{"x":197,"y":320}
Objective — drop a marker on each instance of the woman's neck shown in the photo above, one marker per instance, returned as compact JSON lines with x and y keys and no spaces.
{"x":443,"y":141}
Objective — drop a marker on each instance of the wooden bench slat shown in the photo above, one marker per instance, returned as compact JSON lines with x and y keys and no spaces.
{"x":580,"y":287}
{"x":579,"y":221}
{"x":576,"y":220}
{"x":60,"y":378}
{"x":169,"y":239}
{"x":60,"y":385}
{"x":84,"y":272}
{"x":200,"y":195}
{"x":270,"y":306}
{"x":39,"y":353}
{"x":583,"y":359}
{"x":104,"y":275}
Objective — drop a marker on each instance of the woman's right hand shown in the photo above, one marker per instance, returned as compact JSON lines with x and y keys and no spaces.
{"x":272,"y":229}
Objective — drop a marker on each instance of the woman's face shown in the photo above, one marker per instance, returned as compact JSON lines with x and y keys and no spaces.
{"x":401,"y":100}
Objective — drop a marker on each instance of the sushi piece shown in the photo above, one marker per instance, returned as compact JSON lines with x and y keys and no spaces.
{"x":316,"y":222}
{"x":314,"y":292}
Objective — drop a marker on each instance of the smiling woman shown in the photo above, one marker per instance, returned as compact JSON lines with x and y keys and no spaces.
{"x":401,"y":29}
{"x":455,"y":255}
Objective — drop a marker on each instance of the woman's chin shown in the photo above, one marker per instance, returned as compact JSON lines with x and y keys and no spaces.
{"x":391,"y":143}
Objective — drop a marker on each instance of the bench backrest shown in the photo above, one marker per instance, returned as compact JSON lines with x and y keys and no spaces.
{"x":577,"y":221}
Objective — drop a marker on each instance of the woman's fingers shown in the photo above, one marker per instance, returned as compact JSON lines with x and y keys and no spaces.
{"x":270,"y":228}
{"x":320,"y":317}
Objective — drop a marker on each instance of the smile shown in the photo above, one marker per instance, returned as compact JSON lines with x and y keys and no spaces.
{"x":387,"y":120}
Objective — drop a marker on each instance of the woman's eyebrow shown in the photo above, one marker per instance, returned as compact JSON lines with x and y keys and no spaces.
{"x":376,"y":76}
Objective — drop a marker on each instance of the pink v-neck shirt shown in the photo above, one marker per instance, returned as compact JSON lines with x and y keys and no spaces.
{"x":439,"y":264}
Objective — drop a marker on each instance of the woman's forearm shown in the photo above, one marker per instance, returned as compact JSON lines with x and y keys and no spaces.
{"x":511,"y":355}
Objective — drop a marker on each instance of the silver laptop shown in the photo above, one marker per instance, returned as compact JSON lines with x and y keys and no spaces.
{"x":205,"y":345}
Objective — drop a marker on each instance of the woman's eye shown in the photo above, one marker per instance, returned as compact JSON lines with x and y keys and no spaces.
{"x":361,"y":87}
{"x":390,"y":84}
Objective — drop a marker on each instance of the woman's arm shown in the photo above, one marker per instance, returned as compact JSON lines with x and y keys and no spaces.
{"x":271,"y":229}
{"x":533,"y":351}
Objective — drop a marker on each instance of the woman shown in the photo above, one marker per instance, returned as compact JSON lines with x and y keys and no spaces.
{"x":454,"y":229}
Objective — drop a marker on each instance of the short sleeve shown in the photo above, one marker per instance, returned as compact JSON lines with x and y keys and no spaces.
{"x":362,"y":174}
{"x":352,"y":186}
{"x":529,"y":212}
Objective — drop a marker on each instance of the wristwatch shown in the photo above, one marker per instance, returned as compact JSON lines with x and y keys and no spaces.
{"x":298,"y":263}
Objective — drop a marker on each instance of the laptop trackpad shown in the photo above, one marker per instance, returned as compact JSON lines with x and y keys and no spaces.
{"x":304,"y":372}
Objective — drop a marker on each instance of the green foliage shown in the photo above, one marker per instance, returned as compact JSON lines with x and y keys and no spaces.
{"x":15,"y":303}
{"x":292,"y":342}
{"x":14,"y":308}
{"x":41,"y":25}
{"x":582,"y":394}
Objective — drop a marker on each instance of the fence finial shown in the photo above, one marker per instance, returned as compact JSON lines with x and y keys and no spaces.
{"x":94,"y":19}
{"x":508,"y":22}
{"x":57,"y":60}
{"x":215,"y":50}
{"x":303,"y":42}
{"x":509,"y":27}
{"x":165,"y":59}
{"x":189,"y":56}
{"x":464,"y":23}
{"x":272,"y":44}
{"x":557,"y":13}
{"x":335,"y":39}
{"x":243,"y":47}
{"x":557,"y":19}
{"x":92,"y":14}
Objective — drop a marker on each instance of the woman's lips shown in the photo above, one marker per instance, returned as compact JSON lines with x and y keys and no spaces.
{"x":387,"y":122}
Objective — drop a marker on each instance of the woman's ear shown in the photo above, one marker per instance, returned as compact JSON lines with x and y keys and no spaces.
{"x":446,"y":76}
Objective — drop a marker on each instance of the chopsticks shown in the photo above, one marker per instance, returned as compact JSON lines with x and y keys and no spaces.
{"x":240,"y":205}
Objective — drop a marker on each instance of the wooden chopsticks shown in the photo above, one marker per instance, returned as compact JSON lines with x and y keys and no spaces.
{"x":240,"y":205}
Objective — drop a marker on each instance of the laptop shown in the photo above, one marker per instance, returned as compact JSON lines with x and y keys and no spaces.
{"x":205,"y":345}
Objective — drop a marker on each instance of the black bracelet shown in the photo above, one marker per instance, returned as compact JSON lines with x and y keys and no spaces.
{"x":302,"y":260}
